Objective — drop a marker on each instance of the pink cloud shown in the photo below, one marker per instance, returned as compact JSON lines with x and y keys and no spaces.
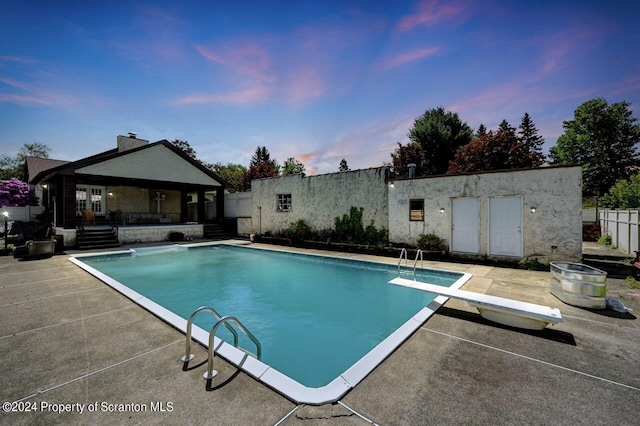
{"x":247,"y":59}
{"x":246,"y":96}
{"x":406,"y":57}
{"x":430,"y":13}
{"x":304,"y":84}
{"x":35,"y":95}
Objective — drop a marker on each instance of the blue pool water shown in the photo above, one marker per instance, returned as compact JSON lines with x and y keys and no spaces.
{"x":315,"y":316}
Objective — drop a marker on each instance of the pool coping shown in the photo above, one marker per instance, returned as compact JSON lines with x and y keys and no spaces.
{"x":257,"y":369}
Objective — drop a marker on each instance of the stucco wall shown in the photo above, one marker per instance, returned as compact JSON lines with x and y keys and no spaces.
{"x":130,"y":234}
{"x":320,"y":199}
{"x":553,"y":232}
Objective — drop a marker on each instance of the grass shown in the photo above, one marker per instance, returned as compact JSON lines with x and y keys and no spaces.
{"x":632,"y":283}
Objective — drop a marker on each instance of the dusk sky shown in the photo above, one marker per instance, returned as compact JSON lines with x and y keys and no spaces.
{"x":315,"y":80}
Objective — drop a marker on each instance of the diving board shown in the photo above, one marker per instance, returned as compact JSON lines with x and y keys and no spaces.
{"x":509,"y":312}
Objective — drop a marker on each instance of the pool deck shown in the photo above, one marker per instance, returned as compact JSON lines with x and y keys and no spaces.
{"x":66,"y":338}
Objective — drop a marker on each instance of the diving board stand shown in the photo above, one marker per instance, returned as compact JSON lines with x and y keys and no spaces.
{"x":509,"y":312}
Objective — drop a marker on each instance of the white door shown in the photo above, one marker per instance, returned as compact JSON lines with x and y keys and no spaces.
{"x":465,"y":225}
{"x":505,"y":226}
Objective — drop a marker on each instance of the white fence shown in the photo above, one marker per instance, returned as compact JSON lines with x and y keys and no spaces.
{"x":624,"y":228}
{"x":237,"y":204}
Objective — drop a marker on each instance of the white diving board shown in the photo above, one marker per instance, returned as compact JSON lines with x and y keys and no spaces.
{"x":509,"y":312}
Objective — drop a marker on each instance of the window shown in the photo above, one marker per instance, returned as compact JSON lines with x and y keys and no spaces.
{"x":416,"y":210}
{"x":90,"y":198}
{"x":284,"y":203}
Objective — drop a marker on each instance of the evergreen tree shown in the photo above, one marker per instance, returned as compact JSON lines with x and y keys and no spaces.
{"x":528,"y":134}
{"x":482,"y":130}
{"x":344,"y":167}
{"x":506,"y":127}
{"x":262,"y":155}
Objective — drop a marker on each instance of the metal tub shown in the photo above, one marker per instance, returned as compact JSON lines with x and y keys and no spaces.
{"x":579,"y":285}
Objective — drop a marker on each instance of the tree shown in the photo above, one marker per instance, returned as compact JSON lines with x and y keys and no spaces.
{"x":344,"y":167}
{"x":494,"y":151}
{"x":261,"y":166}
{"x":528,"y":134}
{"x":231,"y":173}
{"x":506,"y":127}
{"x":602,"y":139}
{"x":185,"y":147}
{"x":625,"y":194}
{"x":291,"y":166}
{"x":482,"y":130}
{"x":440,"y":134}
{"x":262,"y":155}
{"x":14,"y":192}
{"x":15,"y":167}
{"x":256,"y":171}
{"x":405,"y":155}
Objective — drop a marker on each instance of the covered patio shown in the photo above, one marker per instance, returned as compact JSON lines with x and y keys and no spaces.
{"x":138,"y":184}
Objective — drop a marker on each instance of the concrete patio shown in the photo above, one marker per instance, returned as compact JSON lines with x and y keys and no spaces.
{"x":69,"y":342}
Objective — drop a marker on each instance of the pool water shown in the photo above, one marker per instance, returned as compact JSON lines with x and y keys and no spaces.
{"x":315,"y":316}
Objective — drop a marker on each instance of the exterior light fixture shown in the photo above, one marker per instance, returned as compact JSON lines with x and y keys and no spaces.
{"x":441,"y":210}
{"x":533,"y":209}
{"x":391,"y":184}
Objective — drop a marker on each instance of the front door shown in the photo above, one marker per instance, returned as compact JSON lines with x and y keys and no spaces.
{"x":465,"y":225}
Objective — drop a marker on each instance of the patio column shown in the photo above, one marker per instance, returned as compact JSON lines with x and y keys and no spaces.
{"x":201,"y":211}
{"x":184,"y":206}
{"x":220,"y":203}
{"x":68,"y":202}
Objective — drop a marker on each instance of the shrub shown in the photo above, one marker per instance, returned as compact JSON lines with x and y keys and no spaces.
{"x":298,"y":231}
{"x":431,"y":242}
{"x":350,"y":229}
{"x":14,"y":192}
{"x":605,"y":240}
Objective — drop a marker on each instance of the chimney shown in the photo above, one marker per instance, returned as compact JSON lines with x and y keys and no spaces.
{"x":412,"y":170}
{"x":126,"y":143}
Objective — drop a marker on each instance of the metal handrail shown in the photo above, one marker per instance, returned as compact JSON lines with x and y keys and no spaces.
{"x":188,"y":356}
{"x":415,"y":262}
{"x":406,"y":261}
{"x":210,"y":373}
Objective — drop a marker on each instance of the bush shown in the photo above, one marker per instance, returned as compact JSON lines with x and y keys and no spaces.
{"x":14,"y":192}
{"x":605,"y":240}
{"x":298,"y":231}
{"x":625,"y":194}
{"x":350,"y":229}
{"x":431,"y":242}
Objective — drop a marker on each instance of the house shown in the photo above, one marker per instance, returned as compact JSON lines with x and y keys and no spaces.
{"x":502,"y":215}
{"x":147,"y":189}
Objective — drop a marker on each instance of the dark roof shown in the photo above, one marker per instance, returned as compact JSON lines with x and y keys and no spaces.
{"x":36,"y":165}
{"x":70,"y":167}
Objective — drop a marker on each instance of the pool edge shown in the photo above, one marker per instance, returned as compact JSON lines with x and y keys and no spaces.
{"x":262,"y":372}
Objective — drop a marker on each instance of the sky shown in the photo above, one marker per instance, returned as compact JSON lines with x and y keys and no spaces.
{"x":315,"y":80}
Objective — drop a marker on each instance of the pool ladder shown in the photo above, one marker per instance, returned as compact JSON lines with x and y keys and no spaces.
{"x":188,"y":356}
{"x":405,"y":255}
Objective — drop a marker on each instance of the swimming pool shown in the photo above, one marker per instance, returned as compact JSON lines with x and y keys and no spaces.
{"x":324,"y":322}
